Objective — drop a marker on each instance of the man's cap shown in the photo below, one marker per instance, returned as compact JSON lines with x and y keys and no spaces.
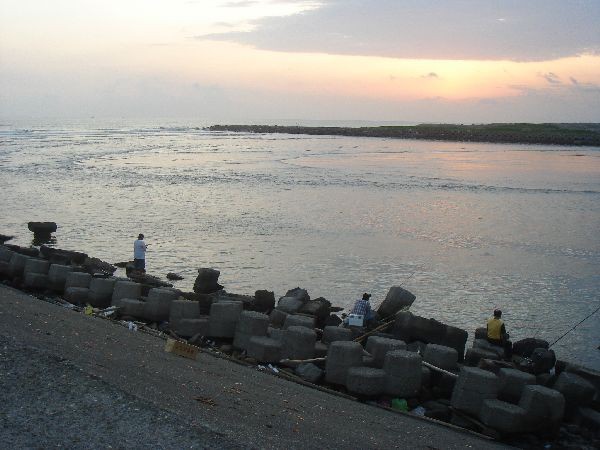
{"x":140,"y":236}
{"x":497,"y":312}
{"x":366,"y":296}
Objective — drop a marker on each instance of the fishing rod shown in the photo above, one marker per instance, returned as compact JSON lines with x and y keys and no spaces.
{"x":586,"y":318}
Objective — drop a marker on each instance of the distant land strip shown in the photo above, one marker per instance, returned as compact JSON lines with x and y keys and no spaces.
{"x":579,"y":134}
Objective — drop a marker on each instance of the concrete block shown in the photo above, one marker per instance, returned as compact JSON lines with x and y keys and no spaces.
{"x":365,"y":381}
{"x":299,"y":343}
{"x":101,"y":290}
{"x":223,"y":318}
{"x":441,"y":356}
{"x":277,"y":317}
{"x":332,"y":334}
{"x":36,"y":281}
{"x":474,"y":355}
{"x":309,"y":372}
{"x":277,"y":334}
{"x":126,"y":289}
{"x":545,"y":407}
{"x":264,"y":349}
{"x":250,"y":323}
{"x":158,"y":304}
{"x":183,"y":309}
{"x":321,"y":350}
{"x":264,"y":301}
{"x":293,"y":320}
{"x":403,"y":373}
{"x":485,"y":345}
{"x":341,"y":356}
{"x":4,"y":269}
{"x":378,"y":347}
{"x":502,"y":416}
{"x":5,"y":254}
{"x":396,"y":299}
{"x":17,"y":265}
{"x":76,"y":295}
{"x":481,"y":333}
{"x":57,"y":275}
{"x":472,"y":388}
{"x":289,"y":305}
{"x":191,"y":327}
{"x":369,"y":361}
{"x":78,"y":279}
{"x":588,"y":418}
{"x":511,"y":383}
{"x":577,"y":390}
{"x":34,"y":265}
{"x":130,"y":307}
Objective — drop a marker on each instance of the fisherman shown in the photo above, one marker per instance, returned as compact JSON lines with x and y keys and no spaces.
{"x":362,"y":307}
{"x":139,"y":254}
{"x":497,"y":335}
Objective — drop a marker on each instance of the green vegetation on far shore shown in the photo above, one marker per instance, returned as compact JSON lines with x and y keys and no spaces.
{"x":580,"y":134}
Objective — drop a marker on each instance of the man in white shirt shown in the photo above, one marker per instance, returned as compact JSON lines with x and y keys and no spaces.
{"x":139,"y":254}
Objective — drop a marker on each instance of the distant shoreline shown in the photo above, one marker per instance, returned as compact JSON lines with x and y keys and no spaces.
{"x":584,"y":134}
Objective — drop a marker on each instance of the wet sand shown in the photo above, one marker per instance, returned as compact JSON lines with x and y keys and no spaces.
{"x":146,"y":397}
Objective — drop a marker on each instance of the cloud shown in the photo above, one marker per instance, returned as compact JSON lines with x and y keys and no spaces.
{"x":430,"y":75}
{"x":534,"y":30}
{"x":240,"y":4}
{"x":551,"y":77}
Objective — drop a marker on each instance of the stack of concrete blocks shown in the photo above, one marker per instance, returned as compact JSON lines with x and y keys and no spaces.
{"x":77,"y":286}
{"x":223,"y":318}
{"x":299,"y":343}
{"x":511,"y":383}
{"x":502,"y":416}
{"x":341,"y":356}
{"x":250,"y":323}
{"x":333,"y":334}
{"x":101,"y":292}
{"x":440,"y":356}
{"x":378,"y":347}
{"x":544,"y":407}
{"x":472,"y":388}
{"x":296,"y":320}
{"x":16,"y":265}
{"x":265,"y":349}
{"x":366,"y":381}
{"x":5,"y":257}
{"x":57,"y":276}
{"x":36,"y":274}
{"x":577,"y":391}
{"x":158,"y":304}
{"x":403,"y":373}
{"x":185,"y":319}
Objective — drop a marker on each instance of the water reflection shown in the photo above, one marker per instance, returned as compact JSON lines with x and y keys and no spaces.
{"x":40,"y":239}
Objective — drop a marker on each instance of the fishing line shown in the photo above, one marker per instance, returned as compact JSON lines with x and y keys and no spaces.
{"x":586,"y":318}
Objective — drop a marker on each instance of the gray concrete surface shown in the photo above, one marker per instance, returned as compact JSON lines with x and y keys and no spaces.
{"x":55,"y":362}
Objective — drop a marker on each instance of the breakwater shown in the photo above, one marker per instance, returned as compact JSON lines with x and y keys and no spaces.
{"x":405,"y":362}
{"x":516,"y":133}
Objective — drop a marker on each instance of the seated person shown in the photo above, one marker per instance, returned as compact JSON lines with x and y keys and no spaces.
{"x":497,"y":335}
{"x":363,"y":307}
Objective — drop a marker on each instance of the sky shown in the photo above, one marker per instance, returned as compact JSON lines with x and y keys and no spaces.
{"x":452,"y":61}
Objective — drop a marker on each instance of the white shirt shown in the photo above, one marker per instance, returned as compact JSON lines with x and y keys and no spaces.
{"x":139,"y":249}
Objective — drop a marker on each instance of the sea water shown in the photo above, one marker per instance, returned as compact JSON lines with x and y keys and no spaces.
{"x":466,"y":227}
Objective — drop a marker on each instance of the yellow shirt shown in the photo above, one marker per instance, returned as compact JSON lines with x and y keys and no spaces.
{"x":494,"y":328}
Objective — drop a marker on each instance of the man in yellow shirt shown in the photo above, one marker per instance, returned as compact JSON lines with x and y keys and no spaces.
{"x":497,"y":335}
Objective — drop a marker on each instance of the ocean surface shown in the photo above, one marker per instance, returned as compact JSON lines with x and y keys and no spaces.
{"x":467,"y":227}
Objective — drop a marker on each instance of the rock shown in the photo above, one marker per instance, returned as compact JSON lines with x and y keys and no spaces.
{"x":588,"y":418}
{"x":174,"y":276}
{"x":309,"y":372}
{"x":59,"y":256}
{"x":525,"y":347}
{"x":264,"y":301}
{"x":299,"y":293}
{"x":27,"y":251}
{"x":4,"y":238}
{"x":289,"y":305}
{"x":42,"y":227}
{"x":474,"y":355}
{"x":396,"y":299}
{"x":320,"y":308}
{"x":207,"y":281}
{"x":481,"y":333}
{"x":543,"y":360}
{"x":332,"y":321}
{"x":95,"y":266}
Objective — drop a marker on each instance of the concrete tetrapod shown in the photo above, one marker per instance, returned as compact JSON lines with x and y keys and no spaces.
{"x":378,"y":347}
{"x":341,"y":356}
{"x":403,"y":373}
